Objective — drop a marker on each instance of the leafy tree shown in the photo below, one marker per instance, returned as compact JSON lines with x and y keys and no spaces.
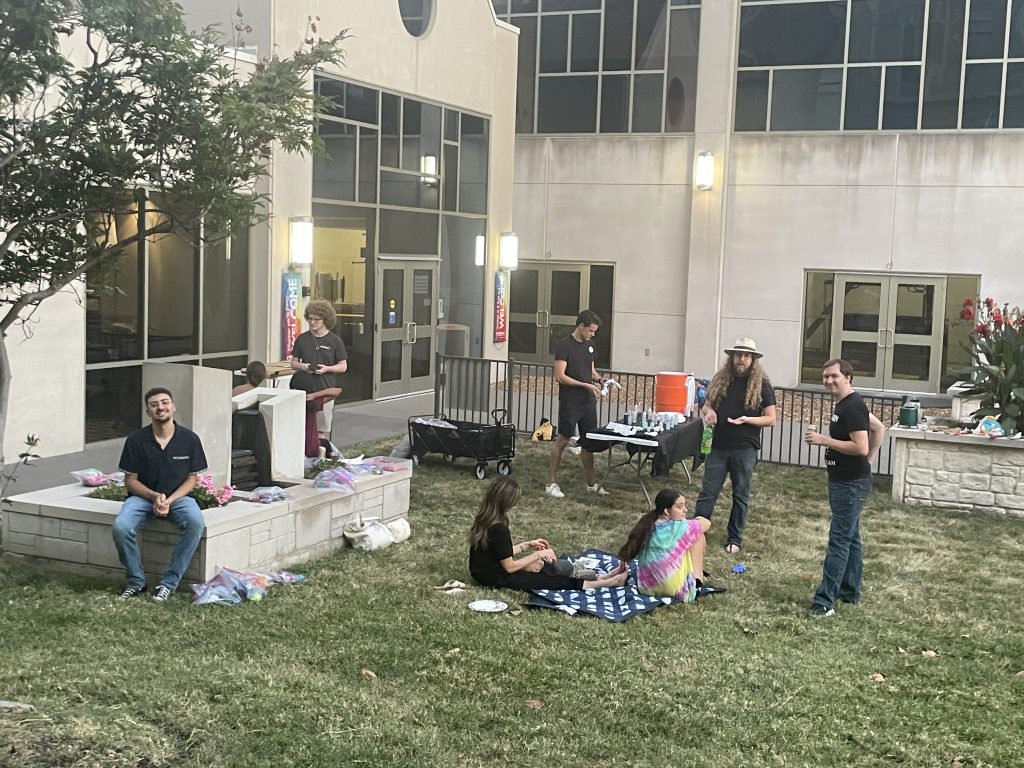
{"x":101,"y":100}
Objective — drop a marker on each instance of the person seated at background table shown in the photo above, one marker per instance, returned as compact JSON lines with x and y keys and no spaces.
{"x":255,"y":374}
{"x":670,"y":550}
{"x":492,"y":556}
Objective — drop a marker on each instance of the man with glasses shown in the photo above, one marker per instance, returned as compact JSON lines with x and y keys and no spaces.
{"x":160,"y":463}
{"x":317,"y":356}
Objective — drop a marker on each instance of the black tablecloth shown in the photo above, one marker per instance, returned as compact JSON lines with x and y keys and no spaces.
{"x":674,"y":445}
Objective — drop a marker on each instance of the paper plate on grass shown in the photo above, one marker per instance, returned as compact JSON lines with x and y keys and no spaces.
{"x":488,"y":606}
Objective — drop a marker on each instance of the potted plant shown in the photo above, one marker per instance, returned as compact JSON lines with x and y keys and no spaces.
{"x":996,"y":373}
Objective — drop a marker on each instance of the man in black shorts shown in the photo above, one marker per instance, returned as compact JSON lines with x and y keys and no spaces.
{"x":579,"y":386}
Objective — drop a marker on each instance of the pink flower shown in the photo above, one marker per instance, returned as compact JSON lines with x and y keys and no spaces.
{"x":982,"y":330}
{"x":990,"y":302}
{"x":966,"y":313}
{"x":969,"y":301}
{"x":997,"y":318}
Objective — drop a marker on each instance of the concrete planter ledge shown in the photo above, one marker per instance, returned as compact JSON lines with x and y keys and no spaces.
{"x":963,"y":472}
{"x":63,"y":529}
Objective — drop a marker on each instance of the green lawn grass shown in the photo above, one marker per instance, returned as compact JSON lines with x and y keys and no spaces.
{"x":366,"y":664}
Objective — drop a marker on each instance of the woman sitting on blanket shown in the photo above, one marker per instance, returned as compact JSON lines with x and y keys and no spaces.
{"x":670,"y":550}
{"x":492,"y":556}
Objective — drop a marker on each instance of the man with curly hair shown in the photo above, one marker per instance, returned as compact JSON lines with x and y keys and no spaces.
{"x":740,"y":403}
{"x":318,"y":355}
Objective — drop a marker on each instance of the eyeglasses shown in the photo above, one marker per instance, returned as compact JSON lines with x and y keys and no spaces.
{"x":159,"y":404}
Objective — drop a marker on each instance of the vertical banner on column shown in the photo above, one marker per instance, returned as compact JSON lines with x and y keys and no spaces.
{"x":501,"y":279}
{"x":291,"y":293}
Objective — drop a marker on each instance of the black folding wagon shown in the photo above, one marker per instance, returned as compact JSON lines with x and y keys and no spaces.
{"x":465,"y":439}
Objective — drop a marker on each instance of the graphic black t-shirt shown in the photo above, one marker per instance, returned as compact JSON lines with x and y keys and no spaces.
{"x":579,"y":359}
{"x":732,"y":436}
{"x":485,"y":562}
{"x":849,"y":415}
{"x":325,"y":350}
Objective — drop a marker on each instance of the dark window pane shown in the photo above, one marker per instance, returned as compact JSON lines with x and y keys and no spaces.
{"x":602,"y":283}
{"x":113,"y":303}
{"x":329,"y":88}
{"x":421,"y":136}
{"x":527,"y":76}
{"x":473,"y":165}
{"x":986,"y":29}
{"x":554,"y":43}
{"x":173,"y":290}
{"x":567,"y":105}
{"x":500,"y":7}
{"x":408,"y":189}
{"x":565,"y":292}
{"x":586,"y":35}
{"x":570,"y":5}
{"x":942,"y":63}
{"x":389,"y":131}
{"x":524,"y":6}
{"x":983,"y":84}
{"x":226,"y":295}
{"x":684,"y":2}
{"x":391,"y":360}
{"x":618,"y":35}
{"x":902,"y":87}
{"x":334,"y":174}
{"x":863,"y":89}
{"x":1016,"y":49}
{"x":408,"y":232}
{"x":422,"y":291}
{"x":647,"y":101}
{"x":806,"y":99}
{"x":367,"y":165}
{"x":862,"y":355}
{"x":523,"y":293}
{"x":415,"y":15}
{"x":113,"y":402}
{"x":807,"y":33}
{"x":650,"y":34}
{"x":461,"y":286}
{"x":681,"y":96}
{"x":1013,"y":109}
{"x":450,"y":177}
{"x":751,"y":101}
{"x":615,"y":104}
{"x":886,"y":30}
{"x":451,"y":125}
{"x":361,"y":103}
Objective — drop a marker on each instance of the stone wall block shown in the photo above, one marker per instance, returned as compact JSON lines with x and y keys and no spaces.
{"x":1004,"y":470}
{"x":919,"y":491}
{"x":262,"y":553}
{"x":345,"y":508}
{"x":101,"y":547}
{"x":974,"y":481}
{"x":984,"y":498}
{"x":282,"y":526}
{"x":396,"y":500}
{"x":1010,"y":500}
{"x":1003,"y":485}
{"x":967,"y":461}
{"x":62,"y":549}
{"x":945,"y":491}
{"x":947,"y":477}
{"x":925,"y":458}
{"x":285,"y":544}
{"x":1012,"y":458}
{"x":258,"y":537}
{"x":312,"y":526}
{"x":919,"y":476}
{"x":21,"y":543}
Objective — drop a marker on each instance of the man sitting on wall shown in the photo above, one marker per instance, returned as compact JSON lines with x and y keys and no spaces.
{"x":160,"y":463}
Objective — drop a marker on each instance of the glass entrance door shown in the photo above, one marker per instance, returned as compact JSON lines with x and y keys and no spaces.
{"x":406,"y":326}
{"x":545,"y":301}
{"x":890,"y":328}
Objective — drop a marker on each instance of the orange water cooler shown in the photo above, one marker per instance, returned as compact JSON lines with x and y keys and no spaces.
{"x":674,"y":392}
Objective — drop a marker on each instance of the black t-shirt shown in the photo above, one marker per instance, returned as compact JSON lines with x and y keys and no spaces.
{"x":162,"y":469}
{"x":325,"y":350}
{"x":579,"y":359}
{"x":732,"y":436}
{"x":849,"y":415}
{"x":485,"y":562}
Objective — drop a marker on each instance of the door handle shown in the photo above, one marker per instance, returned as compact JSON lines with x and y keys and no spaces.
{"x":547,"y":319}
{"x":892,"y":338}
{"x":410,"y":333}
{"x":539,"y":319}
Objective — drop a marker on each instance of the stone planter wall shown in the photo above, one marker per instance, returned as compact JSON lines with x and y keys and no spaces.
{"x":64,"y":529}
{"x":964,"y":472}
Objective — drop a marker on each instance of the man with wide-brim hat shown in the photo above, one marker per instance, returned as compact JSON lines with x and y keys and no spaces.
{"x":740,"y":403}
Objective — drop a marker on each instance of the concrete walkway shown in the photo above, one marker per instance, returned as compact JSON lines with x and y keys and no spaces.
{"x":353,"y":424}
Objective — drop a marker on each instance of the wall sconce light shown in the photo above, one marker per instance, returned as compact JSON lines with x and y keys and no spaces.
{"x":480,"y":242}
{"x":508,"y":251}
{"x":300,"y":243}
{"x":704,"y":171}
{"x":428,"y":167}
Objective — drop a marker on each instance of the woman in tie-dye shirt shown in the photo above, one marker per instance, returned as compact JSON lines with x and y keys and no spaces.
{"x":669,"y":549}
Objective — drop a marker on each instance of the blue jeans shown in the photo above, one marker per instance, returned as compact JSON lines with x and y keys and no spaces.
{"x":136,"y":512}
{"x":844,"y":566}
{"x":738,"y":464}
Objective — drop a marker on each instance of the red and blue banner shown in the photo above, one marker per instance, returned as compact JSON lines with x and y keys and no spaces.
{"x":291,"y":296}
{"x":501,"y":281}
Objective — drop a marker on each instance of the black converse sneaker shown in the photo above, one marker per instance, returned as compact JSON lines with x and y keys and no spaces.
{"x":161,"y":593}
{"x":128,"y":592}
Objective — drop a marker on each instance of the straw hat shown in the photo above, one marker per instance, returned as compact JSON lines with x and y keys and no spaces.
{"x":745,"y":345}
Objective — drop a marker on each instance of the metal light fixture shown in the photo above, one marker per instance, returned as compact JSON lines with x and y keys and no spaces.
{"x":300,"y":243}
{"x":508,"y":250}
{"x":479,"y":255}
{"x":704,"y":171}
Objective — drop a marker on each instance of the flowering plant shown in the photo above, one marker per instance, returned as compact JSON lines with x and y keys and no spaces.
{"x":206,"y":494}
{"x":996,"y":372}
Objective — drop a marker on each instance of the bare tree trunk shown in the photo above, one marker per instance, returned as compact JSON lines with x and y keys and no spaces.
{"x":5,"y":392}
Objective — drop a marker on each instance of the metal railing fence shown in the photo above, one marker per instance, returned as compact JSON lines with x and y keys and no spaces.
{"x":470,"y":389}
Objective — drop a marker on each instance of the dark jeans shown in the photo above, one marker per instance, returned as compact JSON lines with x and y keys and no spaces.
{"x":738,"y":464}
{"x":844,"y":566}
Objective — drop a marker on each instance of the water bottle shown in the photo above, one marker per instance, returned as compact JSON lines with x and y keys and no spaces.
{"x":705,"y":441}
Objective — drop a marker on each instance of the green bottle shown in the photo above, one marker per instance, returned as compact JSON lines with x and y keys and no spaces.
{"x":705,"y":441}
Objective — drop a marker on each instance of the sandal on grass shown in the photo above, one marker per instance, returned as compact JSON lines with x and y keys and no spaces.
{"x":733,"y":548}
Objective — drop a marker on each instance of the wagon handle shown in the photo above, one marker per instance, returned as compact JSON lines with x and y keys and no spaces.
{"x":499,"y":419}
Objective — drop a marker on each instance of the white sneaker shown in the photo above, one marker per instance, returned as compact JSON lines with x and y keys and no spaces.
{"x":552,"y":489}
{"x":596,"y":488}
{"x":575,"y":450}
